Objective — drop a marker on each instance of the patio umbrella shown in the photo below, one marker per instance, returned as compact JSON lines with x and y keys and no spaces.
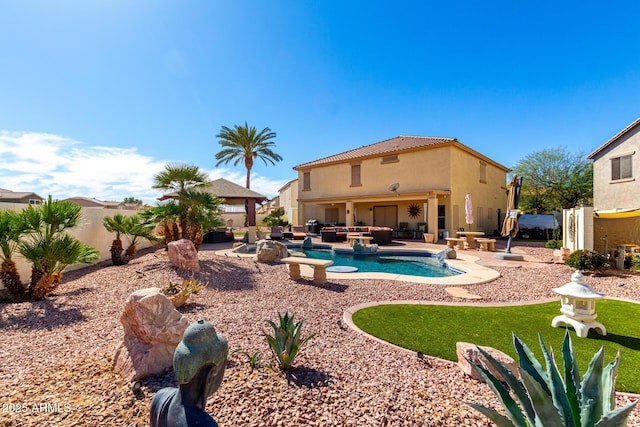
{"x":468,"y":209}
{"x":510,"y":224}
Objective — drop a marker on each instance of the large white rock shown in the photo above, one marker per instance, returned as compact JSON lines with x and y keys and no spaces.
{"x":183,"y":254}
{"x":270,"y":251}
{"x":471,"y":352}
{"x":152,"y":330}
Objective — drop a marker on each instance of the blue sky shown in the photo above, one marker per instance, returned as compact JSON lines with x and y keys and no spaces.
{"x":96,"y":97}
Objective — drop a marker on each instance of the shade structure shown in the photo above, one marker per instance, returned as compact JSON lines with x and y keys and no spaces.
{"x":468,"y":209}
{"x":510,"y":224}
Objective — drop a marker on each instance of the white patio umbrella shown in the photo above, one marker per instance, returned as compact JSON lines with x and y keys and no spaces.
{"x":468,"y":209}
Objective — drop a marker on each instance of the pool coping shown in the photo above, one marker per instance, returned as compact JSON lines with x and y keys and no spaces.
{"x":473,"y":273}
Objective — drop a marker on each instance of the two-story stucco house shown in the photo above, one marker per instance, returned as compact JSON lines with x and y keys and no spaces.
{"x":616,"y":189}
{"x":404,"y":181}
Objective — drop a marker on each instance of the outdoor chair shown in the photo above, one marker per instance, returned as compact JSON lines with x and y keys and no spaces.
{"x":403,"y":230}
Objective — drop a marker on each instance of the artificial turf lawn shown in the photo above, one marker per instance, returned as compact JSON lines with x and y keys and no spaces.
{"x":435,"y":329}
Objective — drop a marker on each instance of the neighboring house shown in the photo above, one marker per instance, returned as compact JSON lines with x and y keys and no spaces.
{"x":616,"y":190}
{"x":405,"y":181}
{"x":288,"y":200}
{"x":26,"y":197}
{"x":87,"y":202}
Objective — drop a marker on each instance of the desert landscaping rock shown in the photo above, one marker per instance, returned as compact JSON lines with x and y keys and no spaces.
{"x":59,"y":351}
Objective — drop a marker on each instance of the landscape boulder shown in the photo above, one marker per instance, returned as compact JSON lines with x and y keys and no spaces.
{"x":152,"y":330}
{"x":269,"y":251}
{"x":470,"y":351}
{"x":183,"y":254}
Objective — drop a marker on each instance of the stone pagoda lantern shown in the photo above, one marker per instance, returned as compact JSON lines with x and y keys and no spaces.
{"x":578,"y":306}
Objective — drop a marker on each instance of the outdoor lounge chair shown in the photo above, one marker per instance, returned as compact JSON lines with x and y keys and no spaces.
{"x":298,"y":232}
{"x":276,"y":233}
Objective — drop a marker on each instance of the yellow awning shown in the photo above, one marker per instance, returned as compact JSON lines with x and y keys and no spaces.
{"x":629,"y":213}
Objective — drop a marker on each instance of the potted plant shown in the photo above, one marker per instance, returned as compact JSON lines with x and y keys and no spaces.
{"x":178,"y":293}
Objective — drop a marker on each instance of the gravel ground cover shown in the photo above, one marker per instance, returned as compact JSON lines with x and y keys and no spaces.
{"x":56,"y":354}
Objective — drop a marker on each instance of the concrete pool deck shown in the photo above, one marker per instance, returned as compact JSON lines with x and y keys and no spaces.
{"x":475,"y":264}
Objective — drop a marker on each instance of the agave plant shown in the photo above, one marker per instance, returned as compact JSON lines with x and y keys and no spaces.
{"x":548,"y":399}
{"x":286,"y":340}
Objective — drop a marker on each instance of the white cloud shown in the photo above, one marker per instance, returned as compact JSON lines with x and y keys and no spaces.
{"x":51,"y":164}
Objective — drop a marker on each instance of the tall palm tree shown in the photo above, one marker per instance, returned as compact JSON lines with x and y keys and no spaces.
{"x":246,"y":143}
{"x":10,"y":232}
{"x":177,"y":178}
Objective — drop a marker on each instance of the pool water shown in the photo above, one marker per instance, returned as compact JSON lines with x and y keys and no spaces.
{"x":412,"y":264}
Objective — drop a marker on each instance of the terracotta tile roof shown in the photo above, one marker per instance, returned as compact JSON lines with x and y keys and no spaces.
{"x":389,"y":146}
{"x":614,"y":139}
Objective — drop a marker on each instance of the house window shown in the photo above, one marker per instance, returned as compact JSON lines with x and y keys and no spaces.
{"x":355,"y":175}
{"x":390,"y":159}
{"x":480,"y":213}
{"x":483,"y":172}
{"x":621,"y":168}
{"x":35,"y":201}
{"x":306,"y":181}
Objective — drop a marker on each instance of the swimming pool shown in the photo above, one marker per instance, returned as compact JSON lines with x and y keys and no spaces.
{"x":409,"y":263}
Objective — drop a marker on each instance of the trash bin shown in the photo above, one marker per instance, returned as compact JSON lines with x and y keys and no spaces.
{"x":313,"y":226}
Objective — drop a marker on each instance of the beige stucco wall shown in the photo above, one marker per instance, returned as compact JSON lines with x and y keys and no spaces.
{"x":620,"y":194}
{"x":444,"y":170}
{"x":486,"y":196}
{"x":91,"y":232}
{"x":289,"y":202}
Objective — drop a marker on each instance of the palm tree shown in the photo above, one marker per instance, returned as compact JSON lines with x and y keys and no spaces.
{"x":246,"y":143}
{"x":48,"y":247}
{"x":136,"y":227}
{"x":177,"y":178}
{"x":165,"y":215}
{"x":116,"y":225}
{"x":10,"y":232}
{"x":205,"y":212}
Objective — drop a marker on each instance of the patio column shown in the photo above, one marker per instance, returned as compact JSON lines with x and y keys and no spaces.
{"x":349,"y":213}
{"x":432,"y":216}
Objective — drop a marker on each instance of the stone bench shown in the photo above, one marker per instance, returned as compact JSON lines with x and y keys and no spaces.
{"x":487,"y":244}
{"x":455,"y":240}
{"x":319,"y":267}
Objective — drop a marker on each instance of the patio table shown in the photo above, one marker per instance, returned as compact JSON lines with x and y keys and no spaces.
{"x":471,"y":237}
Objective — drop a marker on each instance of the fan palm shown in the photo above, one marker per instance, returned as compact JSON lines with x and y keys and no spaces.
{"x":177,"y":178}
{"x":116,"y":225}
{"x":245,"y":143}
{"x":165,"y":215}
{"x":135,"y":228}
{"x":10,"y":232}
{"x":205,"y":212}
{"x":48,"y":247}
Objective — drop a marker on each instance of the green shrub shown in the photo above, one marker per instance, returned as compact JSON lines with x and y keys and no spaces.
{"x":553,"y":244}
{"x":551,"y":397}
{"x":286,"y":340}
{"x":585,"y":260}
